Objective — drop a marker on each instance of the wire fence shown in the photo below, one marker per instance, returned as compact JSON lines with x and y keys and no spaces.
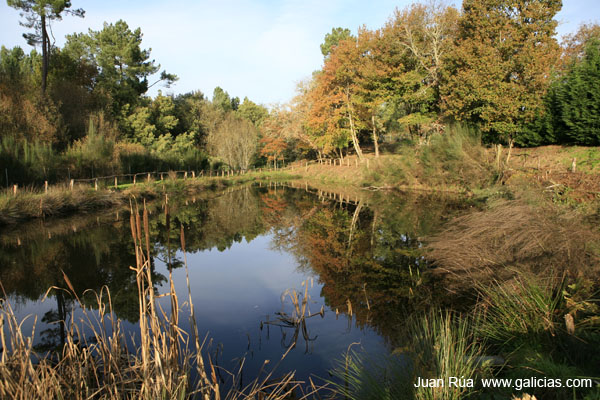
{"x":117,"y":180}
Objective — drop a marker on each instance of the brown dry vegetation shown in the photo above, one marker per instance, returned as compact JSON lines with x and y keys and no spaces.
{"x":514,"y":235}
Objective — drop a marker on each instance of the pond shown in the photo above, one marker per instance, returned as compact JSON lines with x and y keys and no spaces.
{"x":356,"y":258}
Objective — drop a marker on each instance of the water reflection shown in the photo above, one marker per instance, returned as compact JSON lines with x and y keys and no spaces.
{"x":363,"y":251}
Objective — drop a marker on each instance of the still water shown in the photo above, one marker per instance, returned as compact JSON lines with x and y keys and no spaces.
{"x":358,"y":257}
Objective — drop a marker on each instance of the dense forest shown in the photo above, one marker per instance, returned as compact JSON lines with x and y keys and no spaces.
{"x":83,"y":110}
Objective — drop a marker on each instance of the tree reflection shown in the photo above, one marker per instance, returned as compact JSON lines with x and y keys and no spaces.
{"x":366,"y":253}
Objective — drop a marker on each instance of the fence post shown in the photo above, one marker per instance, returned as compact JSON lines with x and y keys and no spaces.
{"x":96,"y":184}
{"x":134,"y":176}
{"x":116,"y":182}
{"x":15,"y":189}
{"x":71,"y":183}
{"x":45,"y":186}
{"x":148,"y":177}
{"x":185,"y":175}
{"x":161,"y":176}
{"x":194,"y":174}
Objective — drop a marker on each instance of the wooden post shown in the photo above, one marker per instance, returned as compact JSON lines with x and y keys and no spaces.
{"x":45,"y":186}
{"x":185,"y":175}
{"x":161,"y":176}
{"x":116,"y":182}
{"x":96,"y":184}
{"x":15,"y":187}
{"x":148,"y":179}
{"x":574,"y":165}
{"x":194,"y":174}
{"x":71,"y":183}
{"x":134,"y":176}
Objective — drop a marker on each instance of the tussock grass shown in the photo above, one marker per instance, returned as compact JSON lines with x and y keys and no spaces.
{"x":456,"y":157}
{"x":511,"y":235}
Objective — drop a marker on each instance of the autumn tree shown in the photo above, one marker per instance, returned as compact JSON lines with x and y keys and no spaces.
{"x":415,"y":42}
{"x":574,"y":44}
{"x":334,"y":112}
{"x":38,"y":14}
{"x":499,"y":70}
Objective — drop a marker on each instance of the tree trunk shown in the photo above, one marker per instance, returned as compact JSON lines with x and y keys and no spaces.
{"x":44,"y":54}
{"x":352,"y":130}
{"x":375,"y":142}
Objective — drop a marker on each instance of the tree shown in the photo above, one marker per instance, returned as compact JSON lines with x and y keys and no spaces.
{"x":333,"y":39}
{"x":235,"y":141}
{"x":221,"y":98}
{"x":580,"y":97}
{"x":416,"y":40}
{"x":253,"y":112}
{"x":334,"y":112}
{"x":123,"y":66}
{"x":38,"y":14}
{"x":574,"y":45}
{"x":499,"y":70}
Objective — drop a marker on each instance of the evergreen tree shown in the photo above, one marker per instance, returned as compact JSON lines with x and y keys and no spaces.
{"x":580,"y":98}
{"x":38,"y":14}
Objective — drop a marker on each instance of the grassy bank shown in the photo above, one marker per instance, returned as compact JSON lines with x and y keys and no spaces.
{"x":61,"y":200}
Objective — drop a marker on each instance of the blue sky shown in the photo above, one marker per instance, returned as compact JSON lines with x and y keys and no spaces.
{"x":254,"y":48}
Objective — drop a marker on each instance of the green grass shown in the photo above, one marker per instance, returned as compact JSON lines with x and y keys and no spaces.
{"x":437,"y":345}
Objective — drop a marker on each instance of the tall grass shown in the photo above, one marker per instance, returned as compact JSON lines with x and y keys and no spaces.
{"x":522,"y":308}
{"x":438,"y":345}
{"x":453,"y":160}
